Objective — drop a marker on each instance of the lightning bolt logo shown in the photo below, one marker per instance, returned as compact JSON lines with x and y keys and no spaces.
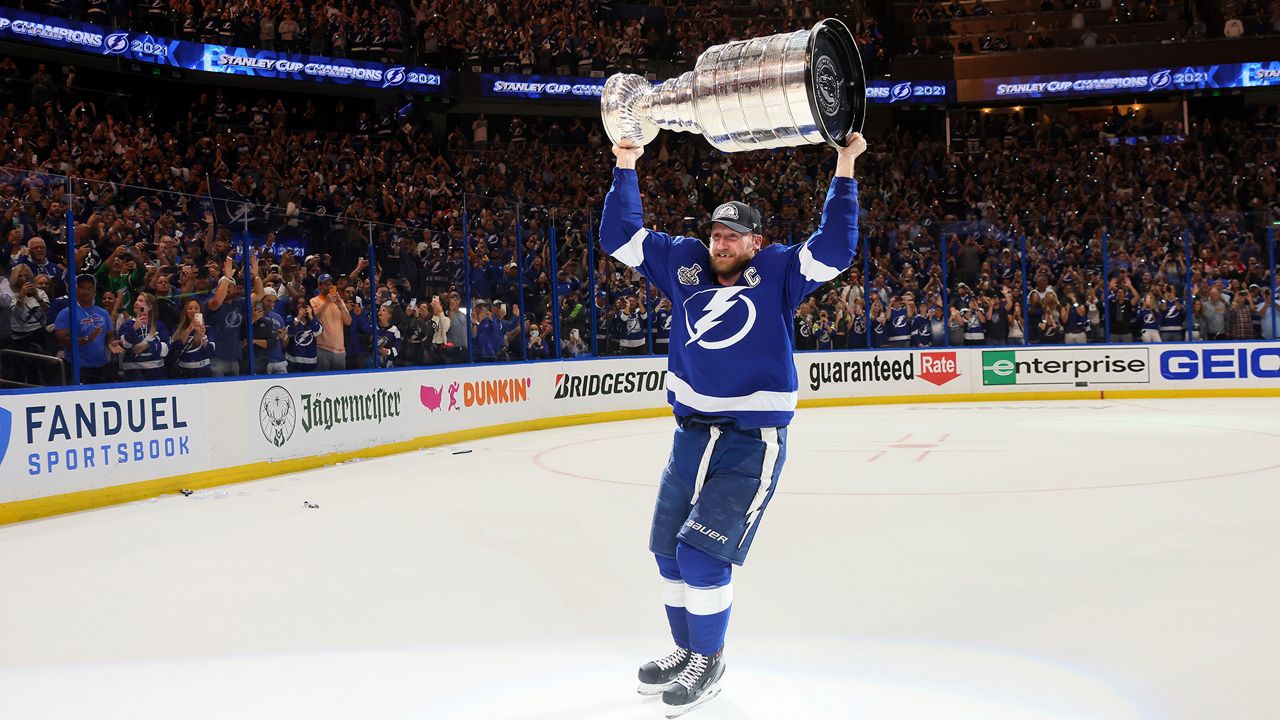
{"x":722,"y":300}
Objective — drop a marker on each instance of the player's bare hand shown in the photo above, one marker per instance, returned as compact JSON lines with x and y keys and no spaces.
{"x":627,"y":156}
{"x":854,"y":146}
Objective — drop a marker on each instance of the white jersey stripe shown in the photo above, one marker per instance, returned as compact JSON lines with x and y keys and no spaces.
{"x":813,"y":269}
{"x":632,"y":254}
{"x":761,"y":400}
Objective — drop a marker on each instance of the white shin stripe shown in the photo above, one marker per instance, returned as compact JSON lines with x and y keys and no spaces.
{"x":814,"y":269}
{"x":705,"y":464}
{"x":672,"y":593}
{"x":708,"y":601}
{"x":632,"y":254}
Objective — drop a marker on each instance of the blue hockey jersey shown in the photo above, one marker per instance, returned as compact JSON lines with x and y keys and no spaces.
{"x":730,"y":355}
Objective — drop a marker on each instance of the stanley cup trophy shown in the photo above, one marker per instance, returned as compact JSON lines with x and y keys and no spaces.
{"x":800,"y":88}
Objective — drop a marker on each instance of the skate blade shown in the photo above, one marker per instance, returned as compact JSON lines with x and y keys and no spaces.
{"x":654,"y":689}
{"x":675,"y":711}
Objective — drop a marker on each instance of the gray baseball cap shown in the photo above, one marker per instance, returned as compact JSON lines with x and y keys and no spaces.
{"x":737,"y":215}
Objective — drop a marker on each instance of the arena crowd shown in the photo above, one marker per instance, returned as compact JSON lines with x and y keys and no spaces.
{"x":1058,"y":230}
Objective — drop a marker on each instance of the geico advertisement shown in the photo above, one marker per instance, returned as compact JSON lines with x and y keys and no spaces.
{"x":884,"y":372}
{"x":1066,"y":366}
{"x":77,"y":440}
{"x":1258,"y":363}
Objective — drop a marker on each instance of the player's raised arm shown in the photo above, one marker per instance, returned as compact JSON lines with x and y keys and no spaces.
{"x":829,"y":250}
{"x":622,"y":231}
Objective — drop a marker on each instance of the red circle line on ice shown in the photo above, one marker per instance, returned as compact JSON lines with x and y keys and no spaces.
{"x":543,"y":462}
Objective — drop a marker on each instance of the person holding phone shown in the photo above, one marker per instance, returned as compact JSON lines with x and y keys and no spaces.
{"x":192,"y":343}
{"x":303,"y":332}
{"x":331,"y":310}
{"x":145,"y":341}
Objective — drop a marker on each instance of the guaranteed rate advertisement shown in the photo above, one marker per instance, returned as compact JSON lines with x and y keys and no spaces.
{"x":31,"y":28}
{"x":1135,"y":81}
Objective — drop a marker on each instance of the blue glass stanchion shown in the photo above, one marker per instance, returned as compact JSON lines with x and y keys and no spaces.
{"x":1106,"y":287}
{"x":1026,"y":294}
{"x":73,"y":297}
{"x":466,"y":280}
{"x":249,"y":270}
{"x":648,"y":315}
{"x":1271,"y":255}
{"x":591,"y":287}
{"x":374,"y":353}
{"x":554,"y":271}
{"x":946,"y":295}
{"x":866,"y":291}
{"x":524,"y":311}
{"x":1186,"y":285}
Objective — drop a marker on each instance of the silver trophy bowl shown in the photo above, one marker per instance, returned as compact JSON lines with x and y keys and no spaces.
{"x":800,"y":88}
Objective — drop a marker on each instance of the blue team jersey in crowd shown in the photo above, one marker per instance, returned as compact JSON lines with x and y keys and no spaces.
{"x":302,"y":341}
{"x":1173,"y":319}
{"x":226,"y":329}
{"x":921,"y":333}
{"x":155,"y":346}
{"x":899,"y":328}
{"x":193,"y":354}
{"x":731,"y":347}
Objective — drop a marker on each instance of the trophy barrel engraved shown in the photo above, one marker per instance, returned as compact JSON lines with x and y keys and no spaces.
{"x":800,"y":88}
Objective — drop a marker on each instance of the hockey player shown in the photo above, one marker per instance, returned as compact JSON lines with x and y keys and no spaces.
{"x":731,"y":379}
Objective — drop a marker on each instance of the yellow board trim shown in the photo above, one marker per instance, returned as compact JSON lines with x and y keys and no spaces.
{"x":35,"y":508}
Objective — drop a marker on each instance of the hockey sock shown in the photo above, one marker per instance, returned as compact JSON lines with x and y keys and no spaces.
{"x":673,"y":599}
{"x":708,"y":597}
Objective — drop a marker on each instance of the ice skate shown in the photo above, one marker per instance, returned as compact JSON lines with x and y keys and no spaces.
{"x":657,"y":675}
{"x":696,"y":684}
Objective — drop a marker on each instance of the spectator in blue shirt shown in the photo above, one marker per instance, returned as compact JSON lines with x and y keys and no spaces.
{"x":269,"y":333}
{"x":96,"y":334}
{"x":359,"y":333}
{"x":224,"y":320}
{"x":487,"y":334}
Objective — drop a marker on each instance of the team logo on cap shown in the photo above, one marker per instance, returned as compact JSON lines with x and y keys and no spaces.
{"x":728,"y":210}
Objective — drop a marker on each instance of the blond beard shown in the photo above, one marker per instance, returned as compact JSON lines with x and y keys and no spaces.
{"x":735,"y":267}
